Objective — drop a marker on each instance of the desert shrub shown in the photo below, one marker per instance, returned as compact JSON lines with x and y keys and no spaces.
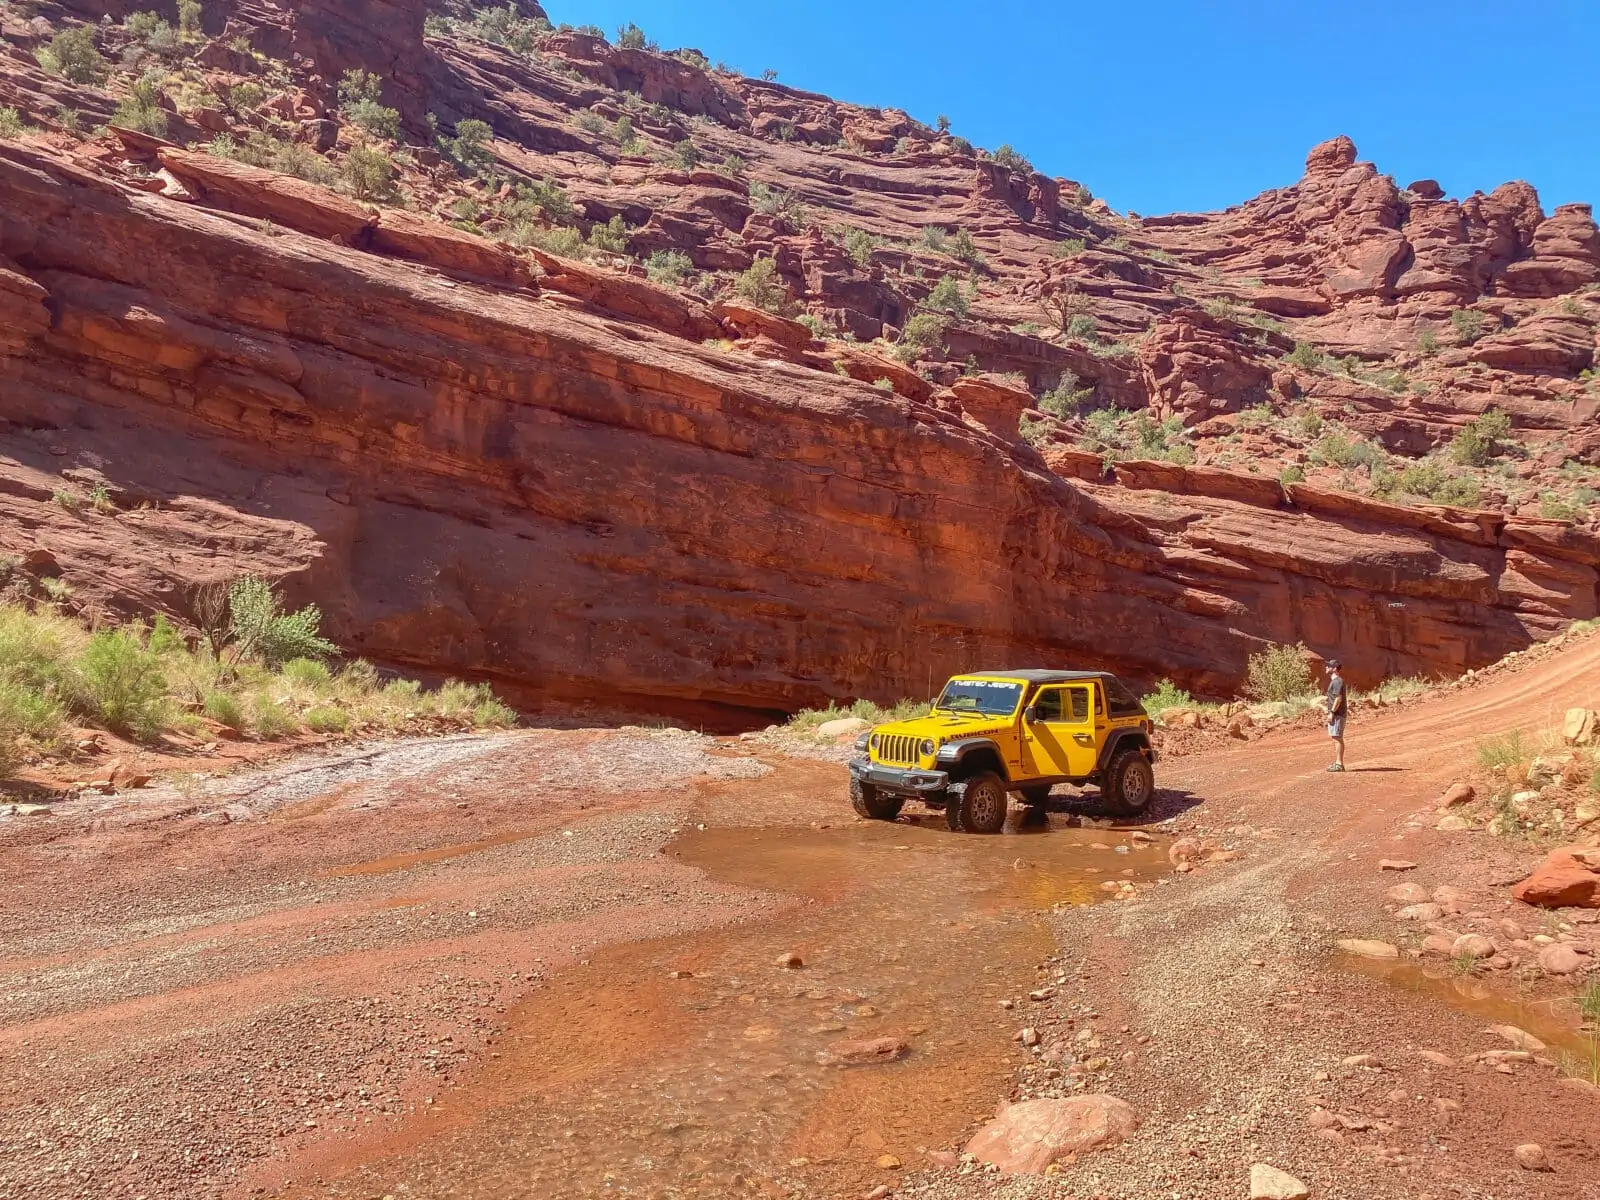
{"x":72,"y":55}
{"x":563,"y":240}
{"x":141,"y":109}
{"x":1306,"y":355}
{"x":1555,"y":507}
{"x":760,"y":285}
{"x":360,"y":101}
{"x":859,"y":245}
{"x":1167,"y":695}
{"x":686,"y":155}
{"x":308,"y":672}
{"x":271,"y":719}
{"x":1345,"y":451}
{"x":1066,"y":398}
{"x":1279,"y":673}
{"x":1468,"y":324}
{"x":369,"y":174}
{"x":291,"y":158}
{"x":948,"y":296}
{"x":491,"y":713}
{"x":610,"y":237}
{"x":1082,"y":326}
{"x":631,"y":37}
{"x":1427,"y":341}
{"x":150,"y":33}
{"x":733,"y":166}
{"x":10,"y":122}
{"x":1480,"y":439}
{"x":1068,"y":248}
{"x":122,"y":683}
{"x":1504,"y":751}
{"x":934,"y":238}
{"x":964,"y":248}
{"x":1292,"y":474}
{"x":807,"y":719}
{"x":224,"y":708}
{"x":775,"y":202}
{"x":924,"y":330}
{"x":589,"y":122}
{"x":327,"y":719}
{"x":883,"y":385}
{"x":669,"y":267}
{"x":1008,"y":158}
{"x":258,"y":626}
{"x":189,"y":17}
{"x":547,"y":201}
{"x":469,"y":148}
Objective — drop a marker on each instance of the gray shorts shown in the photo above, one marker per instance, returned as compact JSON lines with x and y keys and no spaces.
{"x":1336,"y":726}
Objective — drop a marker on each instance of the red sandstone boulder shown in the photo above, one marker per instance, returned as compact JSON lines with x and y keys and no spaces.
{"x":746,"y":321}
{"x":1568,"y":878}
{"x":257,"y":192}
{"x":1027,"y":1137}
{"x":996,"y":406}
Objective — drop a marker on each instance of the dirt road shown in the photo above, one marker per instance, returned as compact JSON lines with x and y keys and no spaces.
{"x":556,"y":963}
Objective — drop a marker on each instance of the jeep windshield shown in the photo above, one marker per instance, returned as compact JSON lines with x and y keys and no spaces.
{"x":988,"y":698}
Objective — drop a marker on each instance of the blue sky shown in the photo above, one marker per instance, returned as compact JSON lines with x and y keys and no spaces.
{"x":1184,"y":105}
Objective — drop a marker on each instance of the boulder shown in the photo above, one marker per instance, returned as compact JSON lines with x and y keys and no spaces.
{"x":1269,"y":1183}
{"x":1452,"y":823}
{"x":1420,"y":912}
{"x":1026,"y":1138}
{"x":1578,"y":727}
{"x":1407,"y":893}
{"x":1560,"y":959}
{"x":1472,"y":945}
{"x":1456,"y":793}
{"x":843,"y":727}
{"x":1569,"y":877}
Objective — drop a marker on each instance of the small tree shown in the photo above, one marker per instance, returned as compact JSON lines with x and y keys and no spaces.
{"x":1279,"y":673}
{"x":1480,"y":439}
{"x":256,"y":625}
{"x":1066,"y":398}
{"x":123,"y":683}
{"x":141,"y":109}
{"x":631,"y":37}
{"x":964,"y":248}
{"x":859,"y":245}
{"x":761,"y":286}
{"x":72,"y":55}
{"x":469,"y":149}
{"x":610,"y":237}
{"x":669,"y":267}
{"x":1011,"y":160}
{"x":943,"y":123}
{"x":189,"y":17}
{"x":948,"y":297}
{"x":1468,"y":324}
{"x":360,"y":101}
{"x":369,"y":174}
{"x":686,"y":155}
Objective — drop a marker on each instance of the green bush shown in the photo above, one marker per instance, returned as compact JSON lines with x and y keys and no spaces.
{"x":1427,"y":341}
{"x":1167,"y":695}
{"x":627,"y":138}
{"x":1279,"y":673}
{"x":270,"y":719}
{"x":1068,"y":248}
{"x":1292,"y":474}
{"x":141,"y":110}
{"x":258,"y":626}
{"x":733,"y":166}
{"x":686,"y":155}
{"x":72,"y":55}
{"x":150,"y":31}
{"x":1307,"y":356}
{"x":631,"y":37}
{"x":10,"y":122}
{"x":1480,"y":439}
{"x":1011,"y":160}
{"x":123,"y":683}
{"x":309,"y":672}
{"x":669,"y":267}
{"x":1503,"y":751}
{"x":924,"y":331}
{"x":545,"y":201}
{"x":360,"y":101}
{"x":290,"y":158}
{"x":492,"y":714}
{"x":775,"y":202}
{"x":1344,"y":451}
{"x":369,"y":174}
{"x":964,"y":248}
{"x":948,"y":297}
{"x":859,"y":245}
{"x":327,"y":719}
{"x":611,"y":237}
{"x":589,"y":122}
{"x":1468,"y":324}
{"x":563,"y":241}
{"x":1082,"y":327}
{"x":469,"y":149}
{"x":934,"y":238}
{"x":224,"y":708}
{"x":761,"y":286}
{"x":1066,"y":398}
{"x":189,"y":17}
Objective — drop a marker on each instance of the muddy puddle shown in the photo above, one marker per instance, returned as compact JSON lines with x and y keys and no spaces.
{"x":1553,"y":1021}
{"x":698,"y":1066}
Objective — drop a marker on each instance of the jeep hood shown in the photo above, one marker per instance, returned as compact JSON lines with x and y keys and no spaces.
{"x":945,"y":726}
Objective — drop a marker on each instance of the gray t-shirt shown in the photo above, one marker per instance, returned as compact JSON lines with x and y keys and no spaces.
{"x":1335,"y":697}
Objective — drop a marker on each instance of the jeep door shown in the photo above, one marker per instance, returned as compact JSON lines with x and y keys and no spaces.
{"x":1060,"y":739}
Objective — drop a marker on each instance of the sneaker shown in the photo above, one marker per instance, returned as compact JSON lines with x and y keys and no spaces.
{"x":1335,"y":766}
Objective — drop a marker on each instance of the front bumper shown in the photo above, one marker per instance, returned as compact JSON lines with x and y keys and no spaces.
{"x":902,"y":781}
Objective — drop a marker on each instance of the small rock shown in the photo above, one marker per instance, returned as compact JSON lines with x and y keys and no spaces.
{"x":1520,"y":1038}
{"x":1395,"y":864}
{"x":1577,"y":729}
{"x":1029,"y":1036}
{"x":858,"y":1052}
{"x":1368,"y":948}
{"x":1184,"y":850}
{"x":1269,"y":1183}
{"x":1560,"y":959}
{"x":1472,"y":945}
{"x":842,"y":728}
{"x":1369,"y":1061}
{"x":1457,"y":793}
{"x":888,"y":1162}
{"x":879,"y":1192}
{"x":1420,"y":912}
{"x":789,"y":961}
{"x":1407,"y":893}
{"x":1027,"y":1137}
{"x":1436,"y":1058}
{"x":1530,"y":1156}
{"x":1453,"y":823}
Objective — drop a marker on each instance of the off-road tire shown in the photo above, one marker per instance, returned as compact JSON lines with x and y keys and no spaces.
{"x":872,"y":804}
{"x":1129,"y":783}
{"x":1036,"y":796}
{"x":983,"y":804}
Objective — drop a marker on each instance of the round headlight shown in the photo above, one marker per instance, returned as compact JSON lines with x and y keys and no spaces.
{"x":928,"y":747}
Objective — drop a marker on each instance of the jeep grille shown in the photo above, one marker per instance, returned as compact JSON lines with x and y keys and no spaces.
{"x":898,"y":748}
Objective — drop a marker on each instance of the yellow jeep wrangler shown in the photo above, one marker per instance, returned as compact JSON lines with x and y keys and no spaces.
{"x":995,"y":732}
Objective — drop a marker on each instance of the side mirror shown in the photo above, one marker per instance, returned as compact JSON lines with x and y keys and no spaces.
{"x":1030,"y":714}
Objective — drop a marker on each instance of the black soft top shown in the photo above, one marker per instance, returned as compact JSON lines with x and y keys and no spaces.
{"x":1120,"y":700}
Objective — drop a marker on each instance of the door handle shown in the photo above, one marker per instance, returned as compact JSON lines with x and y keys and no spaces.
{"x":1083,"y":739}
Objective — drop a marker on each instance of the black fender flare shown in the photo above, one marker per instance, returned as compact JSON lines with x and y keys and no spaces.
{"x":1121,"y":739}
{"x":953,"y":755}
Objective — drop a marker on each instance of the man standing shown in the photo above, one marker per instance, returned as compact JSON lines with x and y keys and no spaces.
{"x":1336,"y":703}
